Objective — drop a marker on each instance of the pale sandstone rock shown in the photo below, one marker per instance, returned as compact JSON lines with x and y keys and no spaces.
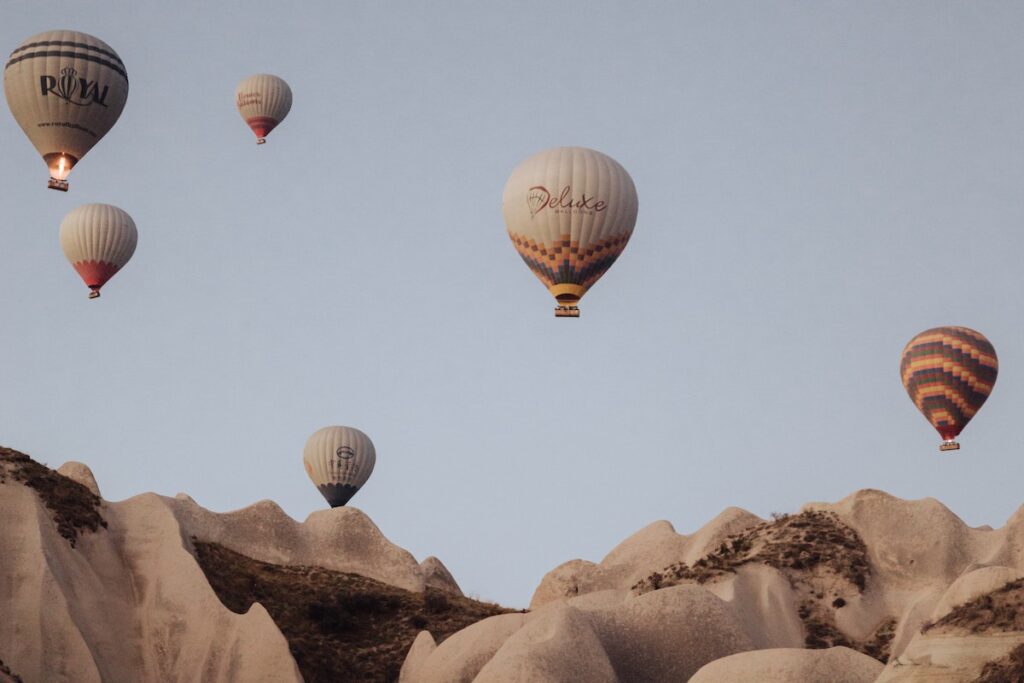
{"x":567,"y":580}
{"x":949,"y":658}
{"x":558,"y":646}
{"x":972,"y":584}
{"x":81,"y":473}
{"x":421,"y":649}
{"x":834,"y":665}
{"x":436,"y":575}
{"x":129,"y":598}
{"x":649,"y":550}
{"x":765,"y":604}
{"x":342,"y":539}
{"x":668,"y":634}
{"x":923,"y":559}
{"x":461,"y":657}
{"x":707,"y":539}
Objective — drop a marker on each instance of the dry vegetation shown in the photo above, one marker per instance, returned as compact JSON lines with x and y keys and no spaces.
{"x":74,"y":508}
{"x":1001,"y":610}
{"x":340,"y":627}
{"x":7,"y":672}
{"x":816,"y":551}
{"x":804,"y":542}
{"x":1009,"y":669}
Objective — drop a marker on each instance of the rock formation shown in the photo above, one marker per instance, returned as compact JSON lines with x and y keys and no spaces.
{"x":92,"y":590}
{"x":835,"y":592}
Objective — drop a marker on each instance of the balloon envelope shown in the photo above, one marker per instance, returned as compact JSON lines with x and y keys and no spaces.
{"x":339,"y":460}
{"x":98,"y":240}
{"x":66,"y":90}
{"x":949,"y":372}
{"x":570,"y":212}
{"x":263,"y":101}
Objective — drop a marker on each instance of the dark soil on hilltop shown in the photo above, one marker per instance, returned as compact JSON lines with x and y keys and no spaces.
{"x":812,"y":549}
{"x":4,"y":670}
{"x":803,"y":542}
{"x":1009,"y":669}
{"x":1001,"y":610}
{"x":74,"y":508}
{"x":340,"y":627}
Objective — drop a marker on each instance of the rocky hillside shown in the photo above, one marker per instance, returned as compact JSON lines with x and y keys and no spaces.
{"x":869,"y":588}
{"x":160,"y":589}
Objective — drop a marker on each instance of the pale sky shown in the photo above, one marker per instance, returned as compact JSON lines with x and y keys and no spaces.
{"x":817,"y":181}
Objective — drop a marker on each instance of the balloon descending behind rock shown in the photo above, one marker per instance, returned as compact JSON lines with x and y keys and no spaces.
{"x":339,"y":460}
{"x":949,"y":372}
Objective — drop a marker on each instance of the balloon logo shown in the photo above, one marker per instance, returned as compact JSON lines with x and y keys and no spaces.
{"x":263,"y":101}
{"x":339,"y":460}
{"x":569,"y":212}
{"x":537,"y":199}
{"x":948,"y":373}
{"x":49,"y":71}
{"x":68,"y":83}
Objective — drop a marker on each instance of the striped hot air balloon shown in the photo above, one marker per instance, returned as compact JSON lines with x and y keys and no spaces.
{"x":949,"y":372}
{"x":569,"y":212}
{"x":263,"y":101}
{"x":66,"y":90}
{"x":339,"y":460}
{"x":98,"y":239}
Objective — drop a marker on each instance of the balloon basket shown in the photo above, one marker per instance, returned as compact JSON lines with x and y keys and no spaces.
{"x":94,"y":294}
{"x":60,"y":185}
{"x":949,"y":446}
{"x":261,"y":141}
{"x":567,"y":312}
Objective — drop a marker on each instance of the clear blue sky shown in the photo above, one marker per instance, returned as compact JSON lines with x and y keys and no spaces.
{"x":818,"y":182}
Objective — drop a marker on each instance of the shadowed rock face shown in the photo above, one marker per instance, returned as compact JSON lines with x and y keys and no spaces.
{"x":866,"y":573}
{"x":340,"y":627}
{"x":126,"y":598}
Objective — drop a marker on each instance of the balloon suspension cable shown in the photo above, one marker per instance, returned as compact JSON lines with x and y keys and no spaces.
{"x":949,"y":445}
{"x":567,"y":312}
{"x":60,"y":185}
{"x":94,"y":294}
{"x":260,"y":141}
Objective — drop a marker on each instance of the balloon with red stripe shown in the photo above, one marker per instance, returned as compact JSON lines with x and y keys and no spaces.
{"x":98,"y":240}
{"x":263,"y":100}
{"x":949,"y":373}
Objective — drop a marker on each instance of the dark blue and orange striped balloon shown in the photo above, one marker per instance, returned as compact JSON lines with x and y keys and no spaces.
{"x":949,"y":372}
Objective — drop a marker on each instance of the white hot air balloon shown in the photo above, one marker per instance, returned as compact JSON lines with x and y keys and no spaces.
{"x":570,"y":212}
{"x":263,"y":101}
{"x":339,"y":460}
{"x":98,"y":239}
{"x":66,"y":90}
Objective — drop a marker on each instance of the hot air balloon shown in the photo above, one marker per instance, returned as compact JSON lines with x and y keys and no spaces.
{"x":263,"y":101}
{"x":98,"y":239}
{"x":570,"y":212}
{"x":339,"y":460}
{"x":66,"y":90}
{"x":948,"y":373}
